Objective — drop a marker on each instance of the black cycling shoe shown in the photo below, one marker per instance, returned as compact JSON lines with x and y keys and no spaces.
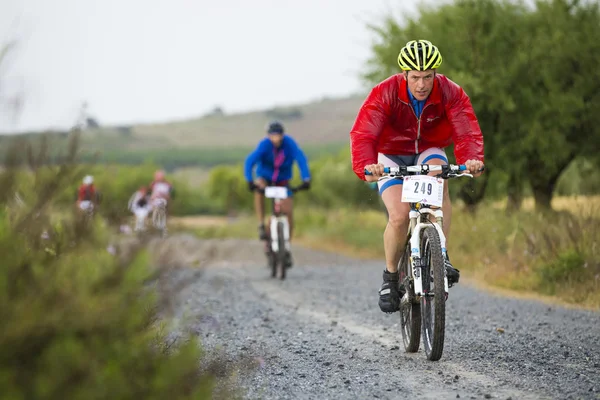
{"x":262,"y":233}
{"x":389,"y":295}
{"x":452,"y":273}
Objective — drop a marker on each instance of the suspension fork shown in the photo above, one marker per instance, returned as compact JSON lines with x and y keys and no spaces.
{"x":276,"y":217}
{"x":416,"y":259}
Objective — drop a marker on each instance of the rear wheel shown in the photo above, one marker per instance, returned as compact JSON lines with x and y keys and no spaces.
{"x":410,"y":311}
{"x":281,"y":253}
{"x":433,"y":303}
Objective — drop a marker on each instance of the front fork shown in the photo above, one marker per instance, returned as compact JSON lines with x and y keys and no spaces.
{"x":416,"y":261}
{"x":275,"y":219}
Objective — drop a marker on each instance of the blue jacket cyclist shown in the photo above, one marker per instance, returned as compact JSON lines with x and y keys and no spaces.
{"x":274,"y":158}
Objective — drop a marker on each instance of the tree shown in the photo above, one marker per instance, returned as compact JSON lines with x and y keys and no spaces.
{"x":561,"y":69}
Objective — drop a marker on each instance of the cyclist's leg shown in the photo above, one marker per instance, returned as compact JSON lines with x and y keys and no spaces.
{"x":259,"y":208}
{"x":394,"y":236}
{"x":259,"y":200}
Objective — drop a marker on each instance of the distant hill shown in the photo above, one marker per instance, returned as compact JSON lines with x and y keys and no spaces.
{"x":320,"y":127}
{"x":325,"y":121}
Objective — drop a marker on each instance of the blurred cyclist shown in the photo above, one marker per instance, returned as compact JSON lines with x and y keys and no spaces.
{"x":87,"y":195}
{"x":274,"y":157}
{"x":140,"y":199}
{"x":160,"y":187}
{"x":139,"y":205}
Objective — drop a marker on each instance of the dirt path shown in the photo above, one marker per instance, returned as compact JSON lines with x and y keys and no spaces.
{"x":320,"y":334}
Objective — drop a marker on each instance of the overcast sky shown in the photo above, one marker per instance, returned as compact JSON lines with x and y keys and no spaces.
{"x":159,"y":60}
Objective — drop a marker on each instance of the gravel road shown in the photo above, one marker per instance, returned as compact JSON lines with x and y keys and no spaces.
{"x":320,"y":334}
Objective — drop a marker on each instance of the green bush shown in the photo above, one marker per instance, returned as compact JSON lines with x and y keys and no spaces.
{"x":568,"y":267}
{"x":77,"y":321}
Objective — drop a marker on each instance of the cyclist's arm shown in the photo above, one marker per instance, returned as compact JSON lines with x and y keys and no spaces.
{"x":252,"y":159}
{"x":302,"y":162}
{"x":467,"y":136}
{"x":371,"y":119}
{"x":132,"y":201}
{"x":80,"y":193}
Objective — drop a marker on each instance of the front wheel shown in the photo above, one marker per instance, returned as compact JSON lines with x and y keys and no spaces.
{"x":282,"y":252}
{"x":433,"y":301}
{"x":410,"y":310}
{"x":159,"y":218}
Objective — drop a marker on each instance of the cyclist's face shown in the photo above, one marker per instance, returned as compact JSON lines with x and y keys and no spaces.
{"x":420,"y":83}
{"x":276,"y":139}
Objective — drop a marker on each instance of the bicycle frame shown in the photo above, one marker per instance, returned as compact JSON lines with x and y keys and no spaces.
{"x":415,"y":229}
{"x":277,"y":216}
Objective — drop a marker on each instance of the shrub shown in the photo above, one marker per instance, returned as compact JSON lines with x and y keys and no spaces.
{"x":78,"y":322}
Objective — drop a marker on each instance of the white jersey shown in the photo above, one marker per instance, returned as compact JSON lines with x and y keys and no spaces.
{"x":161,"y":188}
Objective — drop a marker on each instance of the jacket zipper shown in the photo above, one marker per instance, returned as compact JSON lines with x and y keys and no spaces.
{"x":418,"y":123}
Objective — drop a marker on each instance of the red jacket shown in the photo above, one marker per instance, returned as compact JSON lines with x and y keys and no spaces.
{"x":86,"y":192}
{"x":386,"y":123}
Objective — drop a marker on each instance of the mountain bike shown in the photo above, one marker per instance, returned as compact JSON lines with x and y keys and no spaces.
{"x":278,"y":246}
{"x":423,"y":283}
{"x":87,"y":209}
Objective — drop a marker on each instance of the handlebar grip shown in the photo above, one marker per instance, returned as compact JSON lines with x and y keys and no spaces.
{"x":386,"y":170}
{"x":464,"y":168}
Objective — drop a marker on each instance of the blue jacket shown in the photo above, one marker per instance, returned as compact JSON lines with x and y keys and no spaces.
{"x":275,"y":165}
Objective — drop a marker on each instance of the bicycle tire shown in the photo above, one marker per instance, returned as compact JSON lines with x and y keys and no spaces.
{"x":433,"y":328}
{"x":154,"y":217}
{"x":159,"y":218}
{"x":281,"y":253}
{"x":410,"y":313}
{"x":163,"y":223}
{"x":272,"y":260}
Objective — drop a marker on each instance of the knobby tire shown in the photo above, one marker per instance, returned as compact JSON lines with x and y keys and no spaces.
{"x":433,"y":328}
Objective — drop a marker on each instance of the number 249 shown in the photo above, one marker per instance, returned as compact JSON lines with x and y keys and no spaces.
{"x":423,"y":187}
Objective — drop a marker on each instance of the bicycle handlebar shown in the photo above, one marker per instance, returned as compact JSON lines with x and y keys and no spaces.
{"x":447,"y":171}
{"x":291,"y":189}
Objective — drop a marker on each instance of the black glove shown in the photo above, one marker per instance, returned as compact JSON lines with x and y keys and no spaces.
{"x":251,"y":186}
{"x":305,"y":185}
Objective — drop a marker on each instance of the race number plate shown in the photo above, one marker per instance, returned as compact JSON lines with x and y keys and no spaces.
{"x":276,"y":192}
{"x":423,"y":189}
